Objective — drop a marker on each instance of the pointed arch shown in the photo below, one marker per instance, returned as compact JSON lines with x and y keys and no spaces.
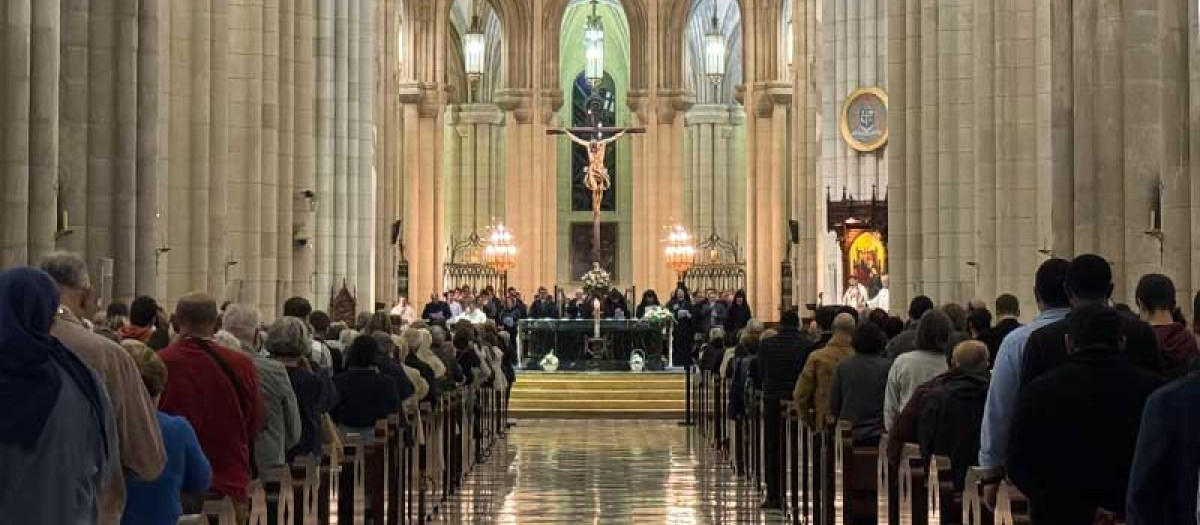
{"x":635,"y":14}
{"x":675,"y":16}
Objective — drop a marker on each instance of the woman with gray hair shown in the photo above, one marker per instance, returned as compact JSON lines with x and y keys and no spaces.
{"x":289,"y":343}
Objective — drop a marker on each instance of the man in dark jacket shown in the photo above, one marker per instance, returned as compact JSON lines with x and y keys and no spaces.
{"x":1162,"y":484}
{"x":437,"y":311}
{"x":907,"y":339}
{"x":1156,"y":299}
{"x":1075,"y":427}
{"x":780,"y":360}
{"x":1008,"y":311}
{"x":1089,"y":282}
{"x":544,"y":306}
{"x":951,"y":416}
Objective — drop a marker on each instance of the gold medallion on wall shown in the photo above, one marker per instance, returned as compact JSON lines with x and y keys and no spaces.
{"x":864,"y":119}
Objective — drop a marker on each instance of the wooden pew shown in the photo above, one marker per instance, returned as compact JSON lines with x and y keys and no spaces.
{"x":277,"y":484}
{"x":374,"y":476}
{"x":1012,"y":507}
{"x":350,"y":483}
{"x":219,"y":512}
{"x":911,"y":484}
{"x":192,"y":519}
{"x":974,"y":510}
{"x":393,"y":440}
{"x":856,"y":499}
{"x":944,"y":504}
{"x":258,"y":503}
{"x":306,"y":482}
{"x":886,"y":491}
{"x":327,"y":489}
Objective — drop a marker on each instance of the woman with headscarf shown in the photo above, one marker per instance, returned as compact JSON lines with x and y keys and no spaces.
{"x":684,"y":333}
{"x":649,"y":299}
{"x":56,"y":426}
{"x":739,"y":313}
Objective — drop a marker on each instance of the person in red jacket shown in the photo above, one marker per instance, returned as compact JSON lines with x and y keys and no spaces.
{"x":1156,"y":299}
{"x":216,"y":389}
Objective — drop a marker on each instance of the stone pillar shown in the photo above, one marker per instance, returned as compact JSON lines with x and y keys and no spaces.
{"x":809,"y":115}
{"x":768,"y":174}
{"x":475,"y":189}
{"x":530,"y":171}
{"x":423,"y":186}
{"x":658,"y":189}
{"x":715,"y":196}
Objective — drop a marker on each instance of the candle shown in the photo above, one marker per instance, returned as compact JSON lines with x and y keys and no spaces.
{"x":596,"y":318}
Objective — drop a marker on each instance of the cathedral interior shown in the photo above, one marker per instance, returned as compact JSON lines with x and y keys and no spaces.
{"x":259,"y":149}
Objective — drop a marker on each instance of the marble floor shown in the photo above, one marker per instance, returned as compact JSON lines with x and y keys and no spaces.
{"x":602,"y":472}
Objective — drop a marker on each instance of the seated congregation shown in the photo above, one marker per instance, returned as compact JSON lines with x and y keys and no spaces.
{"x":221,"y":417}
{"x":1085,"y":415}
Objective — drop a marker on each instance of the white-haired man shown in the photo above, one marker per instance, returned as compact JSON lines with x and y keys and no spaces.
{"x":281,"y":415}
{"x":141,"y":447}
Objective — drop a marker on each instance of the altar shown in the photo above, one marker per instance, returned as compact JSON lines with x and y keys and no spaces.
{"x":617,"y":341}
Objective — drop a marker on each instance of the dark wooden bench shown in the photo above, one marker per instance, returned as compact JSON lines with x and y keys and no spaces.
{"x":1012,"y":507}
{"x":854,"y":485}
{"x":944,"y":503}
{"x":219,"y":512}
{"x":912,"y":487}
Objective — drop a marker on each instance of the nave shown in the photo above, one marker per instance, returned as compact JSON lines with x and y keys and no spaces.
{"x":604,"y":471}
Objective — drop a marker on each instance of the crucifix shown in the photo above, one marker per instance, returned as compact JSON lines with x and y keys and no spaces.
{"x":595,"y":137}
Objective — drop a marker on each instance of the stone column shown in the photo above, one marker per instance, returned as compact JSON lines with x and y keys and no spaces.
{"x":325,"y":105}
{"x":246,"y":152}
{"x":149,"y":104}
{"x":369,"y":238}
{"x":529,"y":181}
{"x":768,"y":173}
{"x":714,"y":198}
{"x":658,"y":189}
{"x":423,"y":186}
{"x":476,"y":187}
{"x":807,"y":192}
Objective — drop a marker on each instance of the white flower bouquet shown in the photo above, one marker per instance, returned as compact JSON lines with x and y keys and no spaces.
{"x":658,"y":315}
{"x":549,"y":363}
{"x":596,"y":282}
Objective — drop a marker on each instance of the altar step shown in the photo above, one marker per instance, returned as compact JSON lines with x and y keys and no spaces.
{"x":598,"y":395}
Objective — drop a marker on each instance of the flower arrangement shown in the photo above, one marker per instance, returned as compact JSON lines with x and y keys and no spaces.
{"x":658,"y":315}
{"x":549,"y":363}
{"x":596,"y":282}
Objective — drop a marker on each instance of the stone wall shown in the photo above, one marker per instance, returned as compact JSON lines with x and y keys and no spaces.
{"x":1024,"y":129}
{"x":177,"y":138}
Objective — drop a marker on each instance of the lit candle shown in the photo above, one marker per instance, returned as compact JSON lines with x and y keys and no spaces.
{"x":596,"y":318}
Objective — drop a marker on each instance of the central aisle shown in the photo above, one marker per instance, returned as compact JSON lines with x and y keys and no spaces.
{"x":601,"y":472}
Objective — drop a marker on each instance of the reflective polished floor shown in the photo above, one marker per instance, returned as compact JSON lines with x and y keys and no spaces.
{"x":602,"y":472}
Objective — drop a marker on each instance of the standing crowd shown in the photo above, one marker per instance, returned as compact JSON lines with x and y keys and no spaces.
{"x":135,"y":415}
{"x":1090,"y":408}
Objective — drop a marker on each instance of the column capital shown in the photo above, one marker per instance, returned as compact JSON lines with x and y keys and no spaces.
{"x":551,"y":101}
{"x":666,"y":104}
{"x":765,"y":96}
{"x":709,"y":114}
{"x":517,"y":102}
{"x":429,"y":97}
{"x":480,"y":114}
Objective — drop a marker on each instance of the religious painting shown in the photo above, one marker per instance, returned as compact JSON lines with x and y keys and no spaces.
{"x":864,"y":119}
{"x":581,"y":196}
{"x":581,"y":248}
{"x":866,"y":259}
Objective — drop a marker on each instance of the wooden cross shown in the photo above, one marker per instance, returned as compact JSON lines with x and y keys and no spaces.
{"x":595,"y":176}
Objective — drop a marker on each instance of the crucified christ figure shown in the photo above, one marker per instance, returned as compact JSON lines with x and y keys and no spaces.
{"x":595,"y":175}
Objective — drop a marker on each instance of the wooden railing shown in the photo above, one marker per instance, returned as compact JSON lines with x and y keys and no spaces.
{"x":828,"y":480}
{"x":388,"y":478}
